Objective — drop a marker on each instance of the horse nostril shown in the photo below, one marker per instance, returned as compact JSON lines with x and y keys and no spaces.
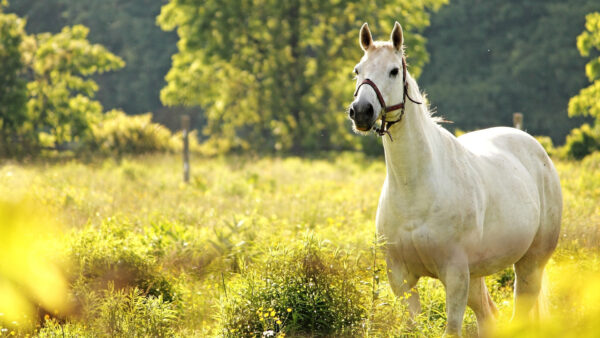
{"x":369,"y":110}
{"x":351,"y":113}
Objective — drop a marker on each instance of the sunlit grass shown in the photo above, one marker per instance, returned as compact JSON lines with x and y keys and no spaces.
{"x":184,"y":247}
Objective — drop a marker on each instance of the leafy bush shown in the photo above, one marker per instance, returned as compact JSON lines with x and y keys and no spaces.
{"x":582,"y":142}
{"x":122,"y":134}
{"x":310,"y":290}
{"x":118,"y":313}
{"x":112,"y":255}
{"x":546,"y":142}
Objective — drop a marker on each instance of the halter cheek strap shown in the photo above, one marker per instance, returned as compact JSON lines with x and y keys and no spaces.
{"x":385,"y":125}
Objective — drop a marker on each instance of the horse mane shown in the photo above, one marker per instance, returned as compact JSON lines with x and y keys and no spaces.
{"x":413,"y":86}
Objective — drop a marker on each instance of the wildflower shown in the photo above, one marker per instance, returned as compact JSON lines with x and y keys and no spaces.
{"x":273,"y":313}
{"x":278,"y":321}
{"x":269,"y":333}
{"x":46,"y":317}
{"x":289,"y":309}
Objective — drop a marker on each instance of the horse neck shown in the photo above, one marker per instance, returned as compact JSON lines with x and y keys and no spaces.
{"x":411,"y":153}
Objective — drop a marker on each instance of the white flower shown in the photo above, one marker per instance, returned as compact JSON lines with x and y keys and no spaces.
{"x":269,"y":333}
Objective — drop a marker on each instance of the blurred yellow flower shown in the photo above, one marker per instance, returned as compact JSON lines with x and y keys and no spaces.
{"x":28,"y":277}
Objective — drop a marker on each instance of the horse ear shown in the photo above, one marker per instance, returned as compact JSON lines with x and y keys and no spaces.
{"x":397,"y":36}
{"x":365,"y":37}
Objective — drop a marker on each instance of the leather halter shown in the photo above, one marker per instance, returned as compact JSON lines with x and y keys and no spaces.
{"x":385,"y":125}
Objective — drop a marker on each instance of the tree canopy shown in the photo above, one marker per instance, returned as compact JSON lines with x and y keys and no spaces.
{"x":587,"y":102}
{"x":498,"y":57}
{"x":126,"y":28}
{"x":61,"y":92}
{"x":267,"y":71}
{"x":13,"y":93}
{"x":276,"y":75}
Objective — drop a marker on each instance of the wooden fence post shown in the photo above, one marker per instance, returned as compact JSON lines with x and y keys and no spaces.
{"x":185,"y":126}
{"x":518,"y":120}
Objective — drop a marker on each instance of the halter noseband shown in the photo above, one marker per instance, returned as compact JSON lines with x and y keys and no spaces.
{"x":385,"y":125}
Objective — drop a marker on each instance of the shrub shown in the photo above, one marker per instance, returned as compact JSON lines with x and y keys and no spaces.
{"x":546,"y":142}
{"x":582,"y":142}
{"x":307,"y":291}
{"x":118,"y":313}
{"x":122,"y":134}
{"x":112,"y":254}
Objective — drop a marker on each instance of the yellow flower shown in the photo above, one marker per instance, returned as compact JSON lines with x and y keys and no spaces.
{"x":289,"y":309}
{"x":47,"y":317}
{"x":278,"y":322}
{"x":272,"y":313}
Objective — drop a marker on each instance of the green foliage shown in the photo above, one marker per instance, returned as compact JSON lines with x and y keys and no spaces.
{"x":120,"y":134}
{"x":111,"y":254}
{"x":240,"y":226}
{"x":118,"y":313}
{"x":587,"y":102}
{"x":128,"y":29}
{"x":13,"y":93}
{"x":498,"y":57}
{"x":308,"y":290}
{"x":582,"y":141}
{"x":61,"y":92}
{"x":272,"y":75}
{"x":546,"y":142}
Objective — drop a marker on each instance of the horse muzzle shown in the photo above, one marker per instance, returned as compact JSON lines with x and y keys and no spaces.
{"x":363,"y":115}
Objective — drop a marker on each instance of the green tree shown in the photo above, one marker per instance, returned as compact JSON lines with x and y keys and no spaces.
{"x":61,"y":93}
{"x":126,"y":28}
{"x":13,"y":93}
{"x":275,"y":75}
{"x":587,"y":102}
{"x":492,"y":58}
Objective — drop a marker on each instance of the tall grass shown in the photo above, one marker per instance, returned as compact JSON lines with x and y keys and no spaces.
{"x":149,"y":255}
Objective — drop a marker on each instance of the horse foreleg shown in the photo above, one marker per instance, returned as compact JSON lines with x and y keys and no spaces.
{"x":403,"y":285}
{"x":456,"y":280}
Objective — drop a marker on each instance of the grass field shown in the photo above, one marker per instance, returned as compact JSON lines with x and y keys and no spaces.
{"x":262,"y":247}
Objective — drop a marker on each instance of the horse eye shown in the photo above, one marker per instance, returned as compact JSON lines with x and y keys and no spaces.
{"x":394,"y":72}
{"x":355,"y":71}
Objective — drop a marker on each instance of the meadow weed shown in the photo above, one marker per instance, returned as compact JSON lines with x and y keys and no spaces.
{"x":251,"y":238}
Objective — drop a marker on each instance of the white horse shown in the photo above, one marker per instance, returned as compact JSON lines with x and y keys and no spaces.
{"x":456,"y":209}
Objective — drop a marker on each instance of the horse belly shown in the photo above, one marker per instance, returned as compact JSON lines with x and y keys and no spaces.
{"x":509,"y":227}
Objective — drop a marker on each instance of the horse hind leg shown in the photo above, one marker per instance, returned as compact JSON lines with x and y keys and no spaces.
{"x":482,"y":304}
{"x":529,"y":271}
{"x":528,"y":285}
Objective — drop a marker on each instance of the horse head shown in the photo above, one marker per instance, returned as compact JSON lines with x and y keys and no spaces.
{"x":380,"y":78}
